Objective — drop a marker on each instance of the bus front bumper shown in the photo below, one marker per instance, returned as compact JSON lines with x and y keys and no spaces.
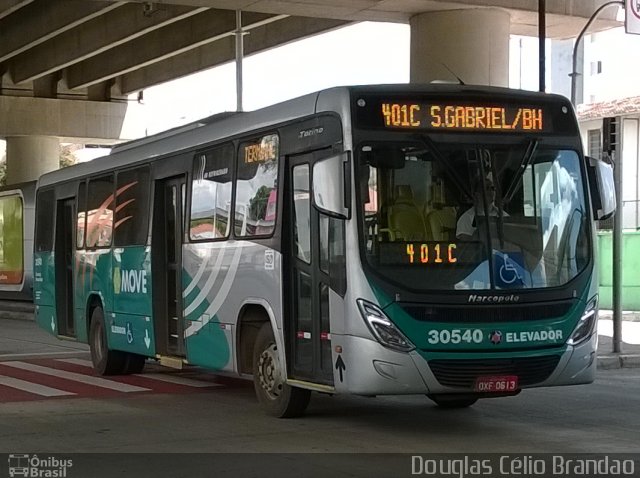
{"x":367,"y":368}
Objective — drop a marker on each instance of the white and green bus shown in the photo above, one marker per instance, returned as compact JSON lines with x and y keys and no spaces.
{"x":397,"y":239}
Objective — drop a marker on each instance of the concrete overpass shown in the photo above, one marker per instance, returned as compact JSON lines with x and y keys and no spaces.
{"x":67,"y":66}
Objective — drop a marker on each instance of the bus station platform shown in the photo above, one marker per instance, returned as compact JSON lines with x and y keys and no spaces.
{"x":629,"y":355}
{"x":26,"y":337}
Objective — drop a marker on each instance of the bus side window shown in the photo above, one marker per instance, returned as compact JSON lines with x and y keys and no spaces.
{"x":100,"y":207}
{"x":81,"y":208}
{"x":45,"y":205}
{"x":132,"y":213}
{"x":211,"y":194}
{"x":256,"y":181}
{"x":332,"y":252}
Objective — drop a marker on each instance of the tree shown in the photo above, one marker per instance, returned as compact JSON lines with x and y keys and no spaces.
{"x":258,"y":203}
{"x":3,"y":170}
{"x":67,"y":155}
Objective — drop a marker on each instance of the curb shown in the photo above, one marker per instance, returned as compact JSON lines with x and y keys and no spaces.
{"x":615,"y":361}
{"x":14,"y":310}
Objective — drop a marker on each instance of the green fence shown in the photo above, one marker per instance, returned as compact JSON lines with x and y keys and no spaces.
{"x":630,"y":269}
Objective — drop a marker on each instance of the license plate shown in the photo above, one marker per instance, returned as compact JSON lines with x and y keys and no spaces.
{"x":497,"y":384}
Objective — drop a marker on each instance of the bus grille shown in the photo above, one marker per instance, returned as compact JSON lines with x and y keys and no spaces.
{"x":485,"y":314}
{"x":464,"y":373}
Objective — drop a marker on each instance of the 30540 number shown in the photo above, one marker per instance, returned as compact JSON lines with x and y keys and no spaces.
{"x":455,"y":336}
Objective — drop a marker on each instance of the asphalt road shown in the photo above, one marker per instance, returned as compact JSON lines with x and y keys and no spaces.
{"x":339,"y":436}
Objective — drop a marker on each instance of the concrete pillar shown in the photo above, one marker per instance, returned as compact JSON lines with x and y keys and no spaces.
{"x":30,"y":156}
{"x":474,"y":44}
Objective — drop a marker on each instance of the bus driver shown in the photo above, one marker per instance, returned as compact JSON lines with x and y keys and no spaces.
{"x":466,"y":226}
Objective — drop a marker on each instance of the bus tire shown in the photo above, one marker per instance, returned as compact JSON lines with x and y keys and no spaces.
{"x":276,"y":397}
{"x":105,"y":361}
{"x":446,"y":400}
{"x":134,"y":363}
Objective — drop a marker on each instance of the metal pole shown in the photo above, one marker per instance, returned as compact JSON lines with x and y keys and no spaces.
{"x":239,"y":55}
{"x":616,"y":284}
{"x":542,"y":39}
{"x":574,"y":59}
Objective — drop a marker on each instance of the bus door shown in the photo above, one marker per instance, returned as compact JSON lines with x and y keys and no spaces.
{"x":166,"y":264}
{"x":65,"y":227}
{"x":306,"y":279}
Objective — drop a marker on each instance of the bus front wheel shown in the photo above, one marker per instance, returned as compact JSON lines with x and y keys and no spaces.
{"x":134,"y":363}
{"x":277,"y":397}
{"x":105,"y":361}
{"x":453,"y":400}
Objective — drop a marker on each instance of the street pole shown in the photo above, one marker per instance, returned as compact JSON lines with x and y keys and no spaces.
{"x":542,"y":40}
{"x":574,"y":59}
{"x":616,"y":283}
{"x":239,"y":55}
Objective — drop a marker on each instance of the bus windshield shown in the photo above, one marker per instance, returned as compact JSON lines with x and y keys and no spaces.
{"x":463,"y":214}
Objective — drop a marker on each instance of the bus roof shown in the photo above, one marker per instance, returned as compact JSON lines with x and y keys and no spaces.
{"x":199,"y":133}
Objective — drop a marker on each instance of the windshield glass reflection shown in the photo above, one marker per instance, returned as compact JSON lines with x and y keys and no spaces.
{"x":476,"y":216}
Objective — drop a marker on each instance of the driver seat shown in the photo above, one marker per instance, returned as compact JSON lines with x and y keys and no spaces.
{"x":404,"y":218}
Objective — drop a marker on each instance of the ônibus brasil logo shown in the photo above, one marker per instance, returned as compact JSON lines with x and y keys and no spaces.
{"x":33,"y":466}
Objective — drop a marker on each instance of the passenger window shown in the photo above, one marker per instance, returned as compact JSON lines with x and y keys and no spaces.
{"x":256,"y":191}
{"x":301,"y":208}
{"x":45,"y":205}
{"x":211,"y":194}
{"x":100,"y":205}
{"x":132,"y":211}
{"x":81,"y":221}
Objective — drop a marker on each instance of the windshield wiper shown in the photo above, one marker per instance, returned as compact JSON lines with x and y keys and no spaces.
{"x":524,"y":164}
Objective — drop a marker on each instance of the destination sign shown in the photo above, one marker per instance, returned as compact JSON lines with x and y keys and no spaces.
{"x":461,"y":117}
{"x":432,"y":253}
{"x":265,"y":150}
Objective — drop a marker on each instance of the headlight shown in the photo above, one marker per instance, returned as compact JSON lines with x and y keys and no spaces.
{"x":383,"y":329}
{"x":586,"y":323}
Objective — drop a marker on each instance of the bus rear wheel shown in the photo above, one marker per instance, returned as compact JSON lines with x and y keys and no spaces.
{"x":444,"y":400}
{"x":105,"y":361}
{"x":276,"y":397}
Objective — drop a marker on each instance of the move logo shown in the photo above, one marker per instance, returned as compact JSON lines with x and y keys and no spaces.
{"x":133,"y":281}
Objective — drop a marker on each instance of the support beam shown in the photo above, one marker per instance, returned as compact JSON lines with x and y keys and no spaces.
{"x":7,"y":7}
{"x":159,"y":45}
{"x":100,"y":91}
{"x":524,"y":12}
{"x":351,"y":10}
{"x":90,"y":121}
{"x":42,"y":20}
{"x":47,"y":86}
{"x":91,"y":38}
{"x":223,"y":51}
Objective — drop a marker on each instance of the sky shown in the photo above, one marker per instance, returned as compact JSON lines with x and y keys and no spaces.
{"x":364,"y":53}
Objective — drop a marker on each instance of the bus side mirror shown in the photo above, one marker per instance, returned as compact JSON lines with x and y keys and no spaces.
{"x":603,"y":192}
{"x":332,"y":185}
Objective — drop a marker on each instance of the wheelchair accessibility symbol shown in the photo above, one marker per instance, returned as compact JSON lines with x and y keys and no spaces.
{"x":509,"y":271}
{"x":129,"y":333}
